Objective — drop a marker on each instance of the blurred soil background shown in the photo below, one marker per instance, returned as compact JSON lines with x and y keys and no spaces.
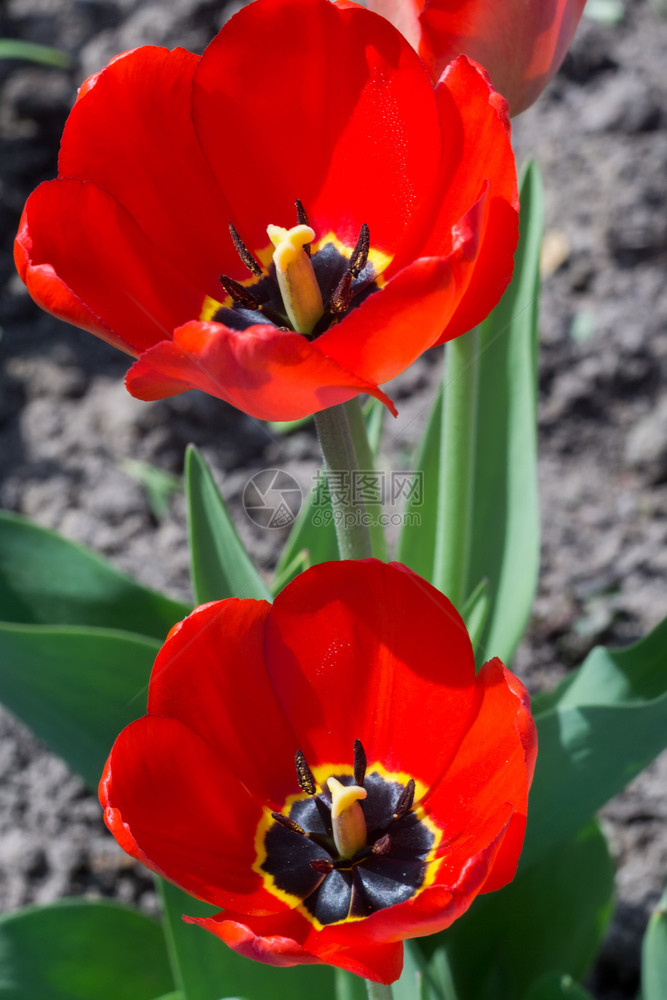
{"x":69,"y":431}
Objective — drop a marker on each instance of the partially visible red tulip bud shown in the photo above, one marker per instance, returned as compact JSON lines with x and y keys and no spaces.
{"x":521,"y":43}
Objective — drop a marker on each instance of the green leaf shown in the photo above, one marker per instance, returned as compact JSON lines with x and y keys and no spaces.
{"x":348,"y":986}
{"x":365,"y":431}
{"x":555,"y":986}
{"x":488,"y":526}
{"x":158,"y":484}
{"x":313,"y":533}
{"x":47,"y":580}
{"x":654,"y":954}
{"x":419,"y":979}
{"x":603,"y":726}
{"x":299,"y":564}
{"x":221,"y":566}
{"x":505,"y":534}
{"x":207,"y":969}
{"x":476,"y":611}
{"x":288,"y":426}
{"x":630,"y":676}
{"x":15,"y":48}
{"x":75,"y":688}
{"x":374,"y":414}
{"x":82,"y":950}
{"x":552,"y":916}
{"x":416,"y":543}
{"x":605,"y":11}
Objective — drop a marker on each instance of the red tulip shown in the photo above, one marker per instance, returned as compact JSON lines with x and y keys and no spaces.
{"x":408,"y":797}
{"x":407,"y":194}
{"x":521,"y":43}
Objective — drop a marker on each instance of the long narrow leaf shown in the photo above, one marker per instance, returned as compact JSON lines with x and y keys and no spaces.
{"x":16,"y":48}
{"x":553,"y":915}
{"x":416,"y":543}
{"x":374,"y":414}
{"x":221,"y":566}
{"x":47,"y":580}
{"x":82,"y":950}
{"x":610,"y":723}
{"x":505,"y":523}
{"x":313,"y":533}
{"x":488,"y":525}
{"x":206,"y":969}
{"x":556,"y":986}
{"x":76,"y":688}
{"x":654,"y":954}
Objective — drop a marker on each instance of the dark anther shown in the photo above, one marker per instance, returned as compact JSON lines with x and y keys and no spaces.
{"x":304,"y":774}
{"x":404,"y":804}
{"x":382,"y":846}
{"x":342,"y":293}
{"x":322,"y":865}
{"x":302,"y":219}
{"x":359,"y":763}
{"x":360,"y":252}
{"x":289,"y":823}
{"x":239,"y":293}
{"x":244,"y":253}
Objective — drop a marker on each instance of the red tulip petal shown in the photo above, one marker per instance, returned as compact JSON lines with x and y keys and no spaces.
{"x":521,"y":46}
{"x":280,"y":941}
{"x":132,"y":134}
{"x":385,"y":334}
{"x":491,"y":773}
{"x":334,"y":108}
{"x":84,"y":258}
{"x":173,"y":803}
{"x":431,"y":910}
{"x":269,"y":373}
{"x":270,"y":942}
{"x":486,"y":160}
{"x":210,"y":675}
{"x":50,"y":292}
{"x":473,"y":206}
{"x":361,"y":655}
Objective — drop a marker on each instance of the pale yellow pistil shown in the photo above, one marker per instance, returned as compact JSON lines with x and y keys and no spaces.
{"x":296,"y":278}
{"x":347,"y":817}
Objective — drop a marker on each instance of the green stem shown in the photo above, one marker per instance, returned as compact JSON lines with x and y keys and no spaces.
{"x":378,"y":991}
{"x":457,"y":468}
{"x":166,"y":892}
{"x":366,"y":461}
{"x":333,"y":429}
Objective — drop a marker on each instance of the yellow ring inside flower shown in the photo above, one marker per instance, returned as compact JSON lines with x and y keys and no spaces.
{"x":429,"y":860}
